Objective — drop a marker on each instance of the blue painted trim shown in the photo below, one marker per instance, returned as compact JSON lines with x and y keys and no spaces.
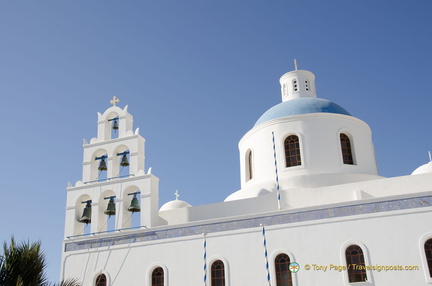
{"x":278,"y":219}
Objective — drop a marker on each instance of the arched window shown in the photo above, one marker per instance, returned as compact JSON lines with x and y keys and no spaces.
{"x":428,"y":252}
{"x":346,"y":149}
{"x":158,"y":277}
{"x":101,"y":280}
{"x":292,"y":151}
{"x":249,"y":172}
{"x":283,"y":274}
{"x":355,"y":264}
{"x":218,"y":273}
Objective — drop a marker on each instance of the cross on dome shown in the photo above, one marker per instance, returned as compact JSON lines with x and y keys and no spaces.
{"x":114,"y":100}
{"x":177,"y":194}
{"x":295,"y":64}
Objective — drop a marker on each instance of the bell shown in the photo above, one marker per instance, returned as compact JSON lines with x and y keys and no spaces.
{"x":86,"y":217}
{"x":124,"y":161}
{"x":111,"y":209}
{"x":134,"y":206}
{"x":115,"y":125}
{"x":102,"y":165}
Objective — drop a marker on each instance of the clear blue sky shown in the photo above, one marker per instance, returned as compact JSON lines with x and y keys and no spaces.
{"x":196,"y":75}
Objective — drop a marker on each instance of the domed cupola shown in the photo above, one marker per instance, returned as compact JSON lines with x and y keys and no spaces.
{"x":423,"y":169}
{"x":175,"y":204}
{"x":299,"y":97}
{"x":297,"y":84}
{"x":304,"y":141}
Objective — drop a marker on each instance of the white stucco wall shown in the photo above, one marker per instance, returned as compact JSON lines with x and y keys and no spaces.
{"x":320,"y":242}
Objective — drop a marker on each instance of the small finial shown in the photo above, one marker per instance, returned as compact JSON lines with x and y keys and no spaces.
{"x":430,"y":156}
{"x":177,"y":195}
{"x":114,"y":100}
{"x":295,"y":64}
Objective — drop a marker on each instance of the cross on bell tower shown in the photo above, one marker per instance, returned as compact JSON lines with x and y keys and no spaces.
{"x":114,"y":100}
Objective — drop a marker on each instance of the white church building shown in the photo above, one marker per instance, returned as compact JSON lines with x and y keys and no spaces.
{"x":312,"y":208}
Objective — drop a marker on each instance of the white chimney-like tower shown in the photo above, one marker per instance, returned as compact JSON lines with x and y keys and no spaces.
{"x":297,"y":83}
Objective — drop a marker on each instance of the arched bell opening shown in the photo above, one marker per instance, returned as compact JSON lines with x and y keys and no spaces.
{"x":112,"y":125}
{"x":121,"y":162}
{"x":99,"y":166}
{"x":83,"y":215}
{"x":131,"y":209}
{"x":107,"y":211}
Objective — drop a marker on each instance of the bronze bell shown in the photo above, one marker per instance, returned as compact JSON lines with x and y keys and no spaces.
{"x":86,"y":217}
{"x":134,"y":206}
{"x":115,"y":124}
{"x":124,"y":161}
{"x":102,"y":165}
{"x":111,"y":209}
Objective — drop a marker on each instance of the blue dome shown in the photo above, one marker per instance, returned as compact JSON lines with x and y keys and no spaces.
{"x":302,"y":105}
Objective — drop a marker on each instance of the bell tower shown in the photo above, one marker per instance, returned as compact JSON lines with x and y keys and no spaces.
{"x":115,"y":192}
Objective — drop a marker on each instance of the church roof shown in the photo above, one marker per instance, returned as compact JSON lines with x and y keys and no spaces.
{"x":302,"y":105}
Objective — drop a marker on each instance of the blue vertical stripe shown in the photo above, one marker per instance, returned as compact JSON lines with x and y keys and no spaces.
{"x":266,"y":256}
{"x":276,"y":171}
{"x":205,"y":259}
